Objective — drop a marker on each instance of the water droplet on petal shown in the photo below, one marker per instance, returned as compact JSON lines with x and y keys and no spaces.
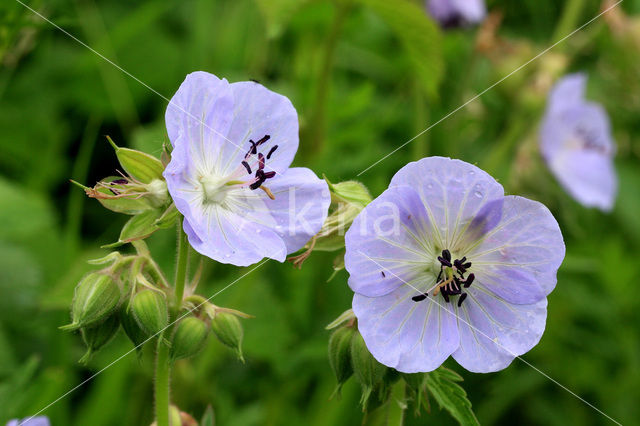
{"x":478,"y":194}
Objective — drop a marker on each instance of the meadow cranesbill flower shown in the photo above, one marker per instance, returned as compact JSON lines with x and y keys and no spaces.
{"x":576,"y":143}
{"x":453,"y":13}
{"x":443,"y":263}
{"x":229,"y":172}
{"x":33,"y":421}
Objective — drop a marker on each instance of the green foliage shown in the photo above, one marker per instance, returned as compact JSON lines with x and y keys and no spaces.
{"x":57,"y":100}
{"x":441,"y":384}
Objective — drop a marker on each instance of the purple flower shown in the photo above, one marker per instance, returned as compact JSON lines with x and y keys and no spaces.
{"x":453,"y":13}
{"x":229,"y":173}
{"x":576,"y":143}
{"x":443,"y":263}
{"x":32,"y":421}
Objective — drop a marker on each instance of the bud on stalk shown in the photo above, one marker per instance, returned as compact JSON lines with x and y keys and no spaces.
{"x":99,"y":335}
{"x":96,"y":297}
{"x":188,"y":338}
{"x":368,"y":371}
{"x":149,"y":308}
{"x":228,"y":330}
{"x":340,"y":354}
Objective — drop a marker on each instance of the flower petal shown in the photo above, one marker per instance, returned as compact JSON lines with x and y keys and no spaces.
{"x":229,"y":237}
{"x":300,"y":207}
{"x":453,"y":192}
{"x":198,"y":119}
{"x":493,"y":332}
{"x":406,"y":335}
{"x":567,"y":92}
{"x":519,"y":258}
{"x":257,"y":111}
{"x":389,"y":243}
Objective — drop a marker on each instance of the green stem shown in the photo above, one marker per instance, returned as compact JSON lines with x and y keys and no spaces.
{"x":163,"y":372}
{"x":181,"y":267}
{"x":317,"y":125}
{"x":569,"y":19}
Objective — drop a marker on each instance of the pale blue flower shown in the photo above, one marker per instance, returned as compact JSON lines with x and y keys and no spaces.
{"x":443,"y":263}
{"x":451,"y":13}
{"x":31,"y":421}
{"x":576,"y":143}
{"x":229,"y":173}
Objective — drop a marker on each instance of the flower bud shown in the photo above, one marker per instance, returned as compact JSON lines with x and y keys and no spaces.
{"x":228,"y":330}
{"x":368,"y":371}
{"x":188,"y":338}
{"x":340,"y":354}
{"x":97,"y":336}
{"x":132,"y":329}
{"x":149,"y":308}
{"x":351,"y":191}
{"x":139,"y":165}
{"x":96,"y":296}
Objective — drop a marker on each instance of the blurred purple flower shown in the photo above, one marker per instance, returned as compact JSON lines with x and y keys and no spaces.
{"x":229,"y":173}
{"x":453,"y":13}
{"x":576,"y":143}
{"x":442,"y":263}
{"x":32,"y":421}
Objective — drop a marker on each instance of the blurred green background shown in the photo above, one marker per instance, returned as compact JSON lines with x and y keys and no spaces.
{"x":365,"y":76}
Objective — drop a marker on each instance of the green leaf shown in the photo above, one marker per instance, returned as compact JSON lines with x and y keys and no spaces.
{"x":441,"y":383}
{"x":419,"y":35}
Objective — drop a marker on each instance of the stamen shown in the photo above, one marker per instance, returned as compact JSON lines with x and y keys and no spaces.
{"x":271,"y":151}
{"x":263,"y":140}
{"x":419,"y":297}
{"x":260,"y":161}
{"x":269,"y":175}
{"x":446,"y":254}
{"x":444,"y":261}
{"x":445,"y":295}
{"x":246,"y":166}
{"x":469,"y":280}
{"x":252,"y":151}
{"x":257,"y":184}
{"x":461,"y":299}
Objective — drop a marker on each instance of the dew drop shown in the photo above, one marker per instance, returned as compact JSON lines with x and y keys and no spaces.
{"x":471,"y":173}
{"x":478,"y":194}
{"x":429,"y":186}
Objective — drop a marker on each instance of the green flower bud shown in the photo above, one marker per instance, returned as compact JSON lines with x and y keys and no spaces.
{"x":139,"y":165}
{"x":97,"y":336}
{"x":96,"y":296}
{"x":340,"y":354}
{"x":351,"y":191}
{"x":368,"y":371}
{"x":174,"y":416}
{"x":149,"y":307}
{"x":228,"y":330}
{"x":188,"y":338}
{"x":132,"y":329}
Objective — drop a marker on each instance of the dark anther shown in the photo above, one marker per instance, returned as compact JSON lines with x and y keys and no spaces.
{"x":258,"y":183}
{"x":271,"y":151}
{"x":444,"y":261}
{"x":469,"y":280}
{"x":119,"y":182}
{"x":263,"y":140}
{"x":246,"y":166}
{"x":446,"y":254}
{"x":462,"y":297}
{"x":445,"y":294}
{"x":260,"y":161}
{"x":467,"y":265}
{"x":419,"y":297}
{"x":269,"y":175}
{"x":253,"y":150}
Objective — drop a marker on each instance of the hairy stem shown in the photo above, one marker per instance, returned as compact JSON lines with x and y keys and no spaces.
{"x":163,"y":371}
{"x":181,"y":267}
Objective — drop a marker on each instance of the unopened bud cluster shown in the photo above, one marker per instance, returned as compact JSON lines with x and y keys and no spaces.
{"x":349,"y":357}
